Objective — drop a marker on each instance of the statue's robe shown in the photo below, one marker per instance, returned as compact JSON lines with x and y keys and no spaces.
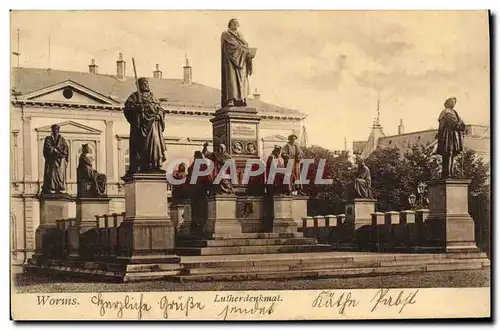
{"x":236,"y":66}
{"x":278,"y":186}
{"x":179,"y":190}
{"x":363,"y":183}
{"x":90,"y":182}
{"x":219,"y":159}
{"x":449,"y":136}
{"x":55,"y":152}
{"x":292,"y":153}
{"x":147,"y":123}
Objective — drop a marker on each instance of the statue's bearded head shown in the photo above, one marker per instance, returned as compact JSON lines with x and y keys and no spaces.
{"x":55,"y":129}
{"x":292,"y":138}
{"x":143,"y":84}
{"x":450,"y":103}
{"x":233,"y":24}
{"x":222,"y":148}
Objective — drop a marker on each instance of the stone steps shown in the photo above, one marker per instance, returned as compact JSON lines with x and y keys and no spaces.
{"x":321,"y":267}
{"x":252,"y":249}
{"x":247,"y":242}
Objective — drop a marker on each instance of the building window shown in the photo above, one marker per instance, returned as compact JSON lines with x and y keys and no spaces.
{"x":68,"y":93}
{"x":126,"y":160}
{"x":390,"y":141}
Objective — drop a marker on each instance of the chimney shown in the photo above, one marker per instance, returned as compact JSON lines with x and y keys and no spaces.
{"x":120,"y":67}
{"x":188,"y":74}
{"x":256,"y":95}
{"x":401,"y":128}
{"x":93,"y":67}
{"x":157,"y":73}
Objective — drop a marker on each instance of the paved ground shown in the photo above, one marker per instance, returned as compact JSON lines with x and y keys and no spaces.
{"x":475,"y":278}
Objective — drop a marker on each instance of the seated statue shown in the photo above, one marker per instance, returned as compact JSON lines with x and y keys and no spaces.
{"x":90,"y":182}
{"x":179,"y":190}
{"x":363,"y":182}
{"x":219,"y":157}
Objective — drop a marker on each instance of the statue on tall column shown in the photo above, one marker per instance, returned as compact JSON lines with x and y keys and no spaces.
{"x":362,"y":185}
{"x":90,"y":182}
{"x":291,"y":152}
{"x":147,"y":124}
{"x":55,"y":152}
{"x":449,"y":136}
{"x":236,"y":66}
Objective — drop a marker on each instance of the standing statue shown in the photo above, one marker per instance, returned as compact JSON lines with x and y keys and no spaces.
{"x":219,"y":158}
{"x":147,"y":124}
{"x":236,"y":66}
{"x":292,"y":153}
{"x":90,"y":182}
{"x":278,"y":186}
{"x":449,"y":136}
{"x":55,"y":152}
{"x":363,"y":181}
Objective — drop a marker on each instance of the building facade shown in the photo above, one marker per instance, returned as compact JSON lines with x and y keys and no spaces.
{"x":476,"y":137}
{"x":88,"y":107}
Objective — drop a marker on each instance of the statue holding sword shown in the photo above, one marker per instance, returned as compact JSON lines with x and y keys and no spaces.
{"x":147,"y":124}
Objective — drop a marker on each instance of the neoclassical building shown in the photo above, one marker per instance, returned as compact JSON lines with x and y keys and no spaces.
{"x":88,"y":107}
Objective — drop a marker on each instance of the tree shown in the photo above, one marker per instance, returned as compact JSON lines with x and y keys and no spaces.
{"x":390,"y":178}
{"x":339,"y":168}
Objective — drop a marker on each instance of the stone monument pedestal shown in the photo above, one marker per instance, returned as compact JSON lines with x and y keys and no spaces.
{"x":237,"y":128}
{"x":52,"y":208}
{"x":146,"y":234}
{"x":283,"y":215}
{"x":221,"y":217}
{"x":250,"y":209}
{"x":86,"y":210}
{"x":451,"y":228}
{"x":299,"y":209}
{"x":358,"y":211}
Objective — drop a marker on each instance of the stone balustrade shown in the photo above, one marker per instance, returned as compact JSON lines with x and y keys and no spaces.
{"x":390,"y":230}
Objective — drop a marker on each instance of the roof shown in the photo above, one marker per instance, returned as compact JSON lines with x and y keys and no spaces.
{"x":358,"y":146}
{"x":27,"y":80}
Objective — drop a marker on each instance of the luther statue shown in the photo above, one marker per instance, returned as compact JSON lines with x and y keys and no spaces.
{"x":236,"y":66}
{"x":147,"y":123}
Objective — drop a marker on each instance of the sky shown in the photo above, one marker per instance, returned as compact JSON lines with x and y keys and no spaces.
{"x":331,"y":65}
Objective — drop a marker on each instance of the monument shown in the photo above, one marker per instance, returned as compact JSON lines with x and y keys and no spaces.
{"x":451,"y":227}
{"x":54,"y":201}
{"x":91,"y":199}
{"x":359,"y":208}
{"x":235,"y":124}
{"x":291,"y":152}
{"x":146,"y":233}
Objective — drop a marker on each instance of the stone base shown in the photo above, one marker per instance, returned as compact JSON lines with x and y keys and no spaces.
{"x":222,"y":216}
{"x":359,"y":210}
{"x":250,"y":211}
{"x":299,"y":209}
{"x":146,"y":237}
{"x":146,"y":232}
{"x":86,"y":210}
{"x":450,"y":226}
{"x":283,"y":215}
{"x":47,"y":236}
